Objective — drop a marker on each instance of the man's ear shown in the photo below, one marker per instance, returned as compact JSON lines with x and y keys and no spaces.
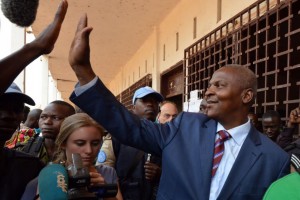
{"x":157,"y":117}
{"x":247,"y":95}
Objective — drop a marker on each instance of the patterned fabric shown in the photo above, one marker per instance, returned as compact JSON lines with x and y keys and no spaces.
{"x":21,"y":137}
{"x":219,"y":150}
{"x":28,"y":141}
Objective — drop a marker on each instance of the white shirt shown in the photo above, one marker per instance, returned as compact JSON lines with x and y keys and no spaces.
{"x":232,"y":148}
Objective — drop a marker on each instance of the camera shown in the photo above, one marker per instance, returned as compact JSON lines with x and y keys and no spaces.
{"x":79,"y":183}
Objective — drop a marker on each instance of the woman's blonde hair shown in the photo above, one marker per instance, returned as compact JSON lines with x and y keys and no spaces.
{"x":69,"y":125}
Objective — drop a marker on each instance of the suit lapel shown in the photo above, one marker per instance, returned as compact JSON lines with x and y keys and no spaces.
{"x":207,"y":140}
{"x":247,"y":157}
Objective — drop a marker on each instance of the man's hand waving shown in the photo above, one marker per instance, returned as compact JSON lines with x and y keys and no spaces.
{"x":79,"y":55}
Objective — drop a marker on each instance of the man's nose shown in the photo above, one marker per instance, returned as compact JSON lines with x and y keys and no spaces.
{"x":208,"y":92}
{"x":269,"y":130}
{"x":48,"y":120}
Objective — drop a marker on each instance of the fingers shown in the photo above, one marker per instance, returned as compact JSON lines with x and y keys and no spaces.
{"x":152,"y":171}
{"x":86,"y":32}
{"x":96,"y":179}
{"x":61,"y":11}
{"x":82,"y":23}
{"x":295,"y":113}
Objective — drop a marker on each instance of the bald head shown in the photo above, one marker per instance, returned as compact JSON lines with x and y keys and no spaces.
{"x":33,"y":117}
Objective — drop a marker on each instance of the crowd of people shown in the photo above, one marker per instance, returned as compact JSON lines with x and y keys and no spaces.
{"x":152,"y":151}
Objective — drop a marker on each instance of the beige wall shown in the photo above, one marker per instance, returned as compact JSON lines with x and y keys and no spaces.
{"x":179,"y":20}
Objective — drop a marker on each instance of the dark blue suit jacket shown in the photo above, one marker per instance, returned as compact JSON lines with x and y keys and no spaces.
{"x":186,"y":146}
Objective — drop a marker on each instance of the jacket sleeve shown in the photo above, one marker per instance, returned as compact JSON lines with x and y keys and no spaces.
{"x":128,"y":128}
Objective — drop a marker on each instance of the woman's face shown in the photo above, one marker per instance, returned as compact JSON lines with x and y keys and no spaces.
{"x":85,"y":141}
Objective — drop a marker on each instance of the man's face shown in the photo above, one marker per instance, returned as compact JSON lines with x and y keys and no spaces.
{"x":224,"y":96}
{"x":271,"y":127}
{"x":167,"y":112}
{"x":51,"y":118}
{"x":11,"y":115}
{"x":146,"y":107}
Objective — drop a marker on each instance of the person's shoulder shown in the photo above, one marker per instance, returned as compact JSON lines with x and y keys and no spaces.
{"x":191,"y":116}
{"x":269,"y":146}
{"x":285,"y":187}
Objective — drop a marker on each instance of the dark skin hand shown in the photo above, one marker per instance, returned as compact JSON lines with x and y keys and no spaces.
{"x":294,"y":117}
{"x":152,"y":171}
{"x":79,"y":55}
{"x":43,"y":44}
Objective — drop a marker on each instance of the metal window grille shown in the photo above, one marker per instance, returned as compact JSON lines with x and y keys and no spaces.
{"x":126,"y":96}
{"x":265,"y":37}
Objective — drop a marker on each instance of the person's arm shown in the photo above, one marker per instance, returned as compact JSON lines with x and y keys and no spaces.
{"x":13,"y":64}
{"x":99,"y":103}
{"x":286,"y":136}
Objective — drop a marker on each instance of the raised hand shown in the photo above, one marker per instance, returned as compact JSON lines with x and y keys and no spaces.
{"x":79,"y":55}
{"x":45,"y":41}
{"x":13,"y":64}
{"x":294,"y":117}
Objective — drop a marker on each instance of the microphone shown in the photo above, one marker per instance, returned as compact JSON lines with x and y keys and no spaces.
{"x":20,"y":12}
{"x":53,"y":182}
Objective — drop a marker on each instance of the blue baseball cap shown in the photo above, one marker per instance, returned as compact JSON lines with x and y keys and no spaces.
{"x":144,"y":91}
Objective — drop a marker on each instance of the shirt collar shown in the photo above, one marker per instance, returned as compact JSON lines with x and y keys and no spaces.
{"x":238,"y":133}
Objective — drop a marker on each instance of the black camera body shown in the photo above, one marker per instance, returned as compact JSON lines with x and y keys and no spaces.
{"x":79,"y":183}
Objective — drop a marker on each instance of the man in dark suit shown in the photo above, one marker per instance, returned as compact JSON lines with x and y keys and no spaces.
{"x":250,"y":163}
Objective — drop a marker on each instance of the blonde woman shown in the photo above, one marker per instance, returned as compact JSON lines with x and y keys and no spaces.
{"x":80,"y":134}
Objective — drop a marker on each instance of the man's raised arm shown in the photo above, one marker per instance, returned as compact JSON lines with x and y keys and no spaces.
{"x":13,"y":64}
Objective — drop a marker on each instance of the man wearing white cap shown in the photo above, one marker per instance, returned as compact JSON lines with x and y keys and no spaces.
{"x":16,"y":168}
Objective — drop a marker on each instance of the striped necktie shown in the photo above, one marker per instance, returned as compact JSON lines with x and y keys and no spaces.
{"x":219,"y":150}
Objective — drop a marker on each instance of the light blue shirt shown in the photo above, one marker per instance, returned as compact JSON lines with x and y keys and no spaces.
{"x":79,"y":89}
{"x":232,"y":148}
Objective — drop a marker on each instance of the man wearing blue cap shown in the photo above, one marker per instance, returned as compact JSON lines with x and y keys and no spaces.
{"x":138,"y":172}
{"x":16,"y":168}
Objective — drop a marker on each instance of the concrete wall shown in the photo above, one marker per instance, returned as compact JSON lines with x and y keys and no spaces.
{"x":180,"y":21}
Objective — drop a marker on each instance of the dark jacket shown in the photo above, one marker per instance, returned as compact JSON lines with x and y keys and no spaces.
{"x":16,"y":170}
{"x":130,"y":170}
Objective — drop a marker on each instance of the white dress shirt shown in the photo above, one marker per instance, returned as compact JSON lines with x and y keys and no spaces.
{"x":232,"y":148}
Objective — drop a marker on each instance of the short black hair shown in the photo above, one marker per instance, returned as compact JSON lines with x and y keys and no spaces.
{"x":271,"y":113}
{"x":63,"y":103}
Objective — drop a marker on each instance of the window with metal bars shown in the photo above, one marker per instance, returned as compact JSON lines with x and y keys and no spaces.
{"x":265,"y":37}
{"x":126,"y":96}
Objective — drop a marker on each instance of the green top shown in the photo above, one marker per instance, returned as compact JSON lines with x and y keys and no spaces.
{"x":288,"y":187}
